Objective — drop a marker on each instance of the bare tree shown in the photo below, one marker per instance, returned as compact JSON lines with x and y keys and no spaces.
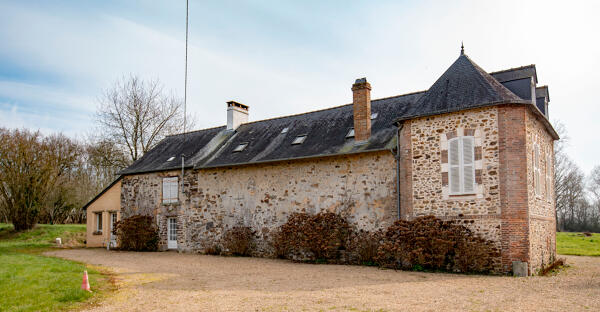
{"x":30,"y":168}
{"x":137,"y":114}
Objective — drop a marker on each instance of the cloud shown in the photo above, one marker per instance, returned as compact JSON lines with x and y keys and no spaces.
{"x":287,"y":58}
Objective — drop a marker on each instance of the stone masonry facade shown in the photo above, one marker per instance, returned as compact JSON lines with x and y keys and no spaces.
{"x":263,"y":196}
{"x":504,"y":207}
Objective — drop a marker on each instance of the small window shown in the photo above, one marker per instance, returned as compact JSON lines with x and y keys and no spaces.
{"x":299,"y":139}
{"x":374,"y":115}
{"x":170,"y":190}
{"x":171,"y":158}
{"x":240,"y":147}
{"x":461,"y":154}
{"x":350,"y":133}
{"x":98,"y":221}
{"x":285,"y":130}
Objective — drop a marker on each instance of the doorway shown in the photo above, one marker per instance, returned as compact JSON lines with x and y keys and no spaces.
{"x":172,"y":233}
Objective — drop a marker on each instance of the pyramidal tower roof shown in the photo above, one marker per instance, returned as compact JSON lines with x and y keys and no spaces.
{"x":464,"y":85}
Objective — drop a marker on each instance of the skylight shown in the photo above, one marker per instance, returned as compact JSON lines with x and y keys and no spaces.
{"x":374,"y":115}
{"x":285,"y":130}
{"x":350,"y":133}
{"x":171,"y":158}
{"x":240,"y":147}
{"x":299,"y":139}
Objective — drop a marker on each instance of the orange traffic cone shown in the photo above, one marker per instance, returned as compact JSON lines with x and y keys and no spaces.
{"x":85,"y":284}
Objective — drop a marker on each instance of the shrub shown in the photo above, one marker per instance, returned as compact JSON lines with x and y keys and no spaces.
{"x":239,"y":240}
{"x":430,"y":243}
{"x":363,"y":246}
{"x":137,"y":233}
{"x":311,"y":237}
{"x":214,"y":250}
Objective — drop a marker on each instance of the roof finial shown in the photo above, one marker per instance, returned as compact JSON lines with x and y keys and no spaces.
{"x":462,"y":48}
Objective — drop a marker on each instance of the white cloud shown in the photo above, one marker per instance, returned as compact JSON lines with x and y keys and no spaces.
{"x":290,"y":58}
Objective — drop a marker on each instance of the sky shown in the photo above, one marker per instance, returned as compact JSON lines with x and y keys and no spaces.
{"x":288,"y":57}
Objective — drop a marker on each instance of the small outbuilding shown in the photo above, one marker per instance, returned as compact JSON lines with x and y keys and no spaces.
{"x":103,"y":211}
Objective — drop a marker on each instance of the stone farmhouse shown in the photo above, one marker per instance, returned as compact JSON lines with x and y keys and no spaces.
{"x":475,"y":147}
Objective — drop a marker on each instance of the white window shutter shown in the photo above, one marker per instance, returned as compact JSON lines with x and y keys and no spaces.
{"x":170,"y":192}
{"x":454,"y":162}
{"x":468,"y":151}
{"x":166,"y":190}
{"x":174,"y":191}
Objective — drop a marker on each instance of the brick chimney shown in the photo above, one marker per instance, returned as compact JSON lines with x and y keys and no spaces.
{"x":361,"y":99}
{"x":237,"y":114}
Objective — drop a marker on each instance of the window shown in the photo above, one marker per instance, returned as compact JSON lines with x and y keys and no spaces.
{"x":169,"y":190}
{"x":350,"y":133}
{"x":536,"y":169}
{"x":299,"y":139}
{"x":548,"y":175}
{"x":374,"y":115}
{"x":461,"y":154}
{"x":240,"y":147}
{"x":285,"y":130}
{"x":99,"y":222}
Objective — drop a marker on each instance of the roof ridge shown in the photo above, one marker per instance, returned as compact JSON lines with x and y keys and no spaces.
{"x":512,"y":69}
{"x":182,"y":133}
{"x":304,"y":113}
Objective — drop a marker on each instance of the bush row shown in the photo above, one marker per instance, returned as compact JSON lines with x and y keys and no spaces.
{"x":425,"y":243}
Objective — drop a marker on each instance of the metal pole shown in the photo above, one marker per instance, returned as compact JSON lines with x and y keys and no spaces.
{"x":187,"y":10}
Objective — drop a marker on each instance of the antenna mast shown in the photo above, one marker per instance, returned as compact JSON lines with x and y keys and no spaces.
{"x":187,"y":5}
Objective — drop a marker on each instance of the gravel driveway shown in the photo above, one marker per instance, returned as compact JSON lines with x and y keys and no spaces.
{"x":188,"y":282}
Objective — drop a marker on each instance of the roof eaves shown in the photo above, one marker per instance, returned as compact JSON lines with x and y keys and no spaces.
{"x":447,"y":111}
{"x":292,"y":158}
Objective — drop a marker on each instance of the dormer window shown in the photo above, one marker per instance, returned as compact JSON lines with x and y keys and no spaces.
{"x":350,"y":133}
{"x":374,"y":116}
{"x":285,"y":130}
{"x":240,"y":147}
{"x":299,"y":139}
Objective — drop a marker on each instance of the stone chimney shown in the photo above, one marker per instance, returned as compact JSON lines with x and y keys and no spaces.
{"x":237,"y":114}
{"x":361,"y":99}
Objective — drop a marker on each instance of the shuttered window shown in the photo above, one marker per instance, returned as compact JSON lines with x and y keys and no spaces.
{"x":461,"y":154}
{"x":169,"y":190}
{"x":536,"y":169}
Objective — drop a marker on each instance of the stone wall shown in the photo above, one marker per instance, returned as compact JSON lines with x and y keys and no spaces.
{"x":424,"y":161}
{"x":429,"y":163}
{"x":542,"y":222}
{"x":263,"y":196}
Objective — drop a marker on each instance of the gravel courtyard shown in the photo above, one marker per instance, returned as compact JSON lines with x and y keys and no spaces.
{"x":189,"y":282}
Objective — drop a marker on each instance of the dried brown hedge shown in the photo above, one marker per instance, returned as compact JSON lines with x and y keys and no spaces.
{"x":430,"y":243}
{"x":239,"y":241}
{"x":363,"y":246}
{"x":137,"y":233}
{"x":311,"y":237}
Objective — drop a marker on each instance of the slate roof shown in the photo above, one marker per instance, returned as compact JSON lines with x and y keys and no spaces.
{"x":325,"y":129}
{"x":464,"y":85}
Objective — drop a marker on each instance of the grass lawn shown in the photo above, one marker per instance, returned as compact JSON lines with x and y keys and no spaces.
{"x":577,"y":244}
{"x":30,"y":281}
